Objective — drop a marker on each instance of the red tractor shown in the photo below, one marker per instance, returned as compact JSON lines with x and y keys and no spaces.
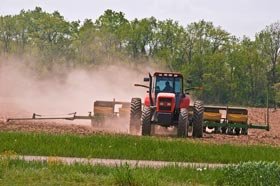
{"x":166,"y":104}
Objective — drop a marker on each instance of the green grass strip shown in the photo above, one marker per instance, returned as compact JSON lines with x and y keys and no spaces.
{"x":17,"y":172}
{"x":133,"y":147}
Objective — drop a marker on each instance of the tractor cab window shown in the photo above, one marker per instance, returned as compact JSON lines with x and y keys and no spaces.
{"x":178,"y":85}
{"x":168,"y":84}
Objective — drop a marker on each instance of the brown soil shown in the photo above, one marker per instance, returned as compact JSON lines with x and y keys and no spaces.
{"x":255,"y":136}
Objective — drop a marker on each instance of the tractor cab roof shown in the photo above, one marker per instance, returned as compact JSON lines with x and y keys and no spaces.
{"x":168,"y":74}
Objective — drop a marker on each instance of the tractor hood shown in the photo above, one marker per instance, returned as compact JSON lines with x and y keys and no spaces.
{"x":165,"y":102}
{"x":166,"y":95}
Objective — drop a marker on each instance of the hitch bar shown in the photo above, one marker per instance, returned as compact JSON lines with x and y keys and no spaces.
{"x":72,"y":116}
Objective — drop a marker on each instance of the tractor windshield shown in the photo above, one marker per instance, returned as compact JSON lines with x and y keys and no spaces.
{"x":168,"y":84}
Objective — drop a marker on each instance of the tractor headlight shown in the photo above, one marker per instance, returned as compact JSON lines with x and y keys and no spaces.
{"x":165,"y":104}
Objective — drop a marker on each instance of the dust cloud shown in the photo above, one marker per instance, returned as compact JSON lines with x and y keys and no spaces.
{"x":23,"y":91}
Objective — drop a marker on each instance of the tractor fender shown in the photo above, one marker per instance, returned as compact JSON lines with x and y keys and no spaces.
{"x":147,"y":100}
{"x":185,"y":102}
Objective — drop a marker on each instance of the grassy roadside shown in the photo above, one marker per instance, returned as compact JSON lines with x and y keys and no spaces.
{"x":17,"y":172}
{"x":132,"y":147}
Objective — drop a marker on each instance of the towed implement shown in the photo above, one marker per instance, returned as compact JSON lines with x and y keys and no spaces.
{"x":102,"y":110}
{"x":230,"y":120}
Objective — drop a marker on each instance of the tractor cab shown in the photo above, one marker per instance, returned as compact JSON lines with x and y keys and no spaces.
{"x":168,"y":83}
{"x":167,"y":87}
{"x":166,"y":97}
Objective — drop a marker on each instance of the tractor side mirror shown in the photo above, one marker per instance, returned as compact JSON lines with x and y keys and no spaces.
{"x":146,"y":79}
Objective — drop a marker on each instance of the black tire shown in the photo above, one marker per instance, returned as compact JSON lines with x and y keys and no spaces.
{"x":146,"y":121}
{"x":244,"y":131}
{"x":216,"y":130}
{"x":230,"y":130}
{"x":198,"y":119}
{"x":224,"y":130}
{"x":237,"y":131}
{"x":135,"y":115}
{"x":183,"y":123}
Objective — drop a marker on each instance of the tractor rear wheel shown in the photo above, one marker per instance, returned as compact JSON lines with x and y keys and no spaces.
{"x":197,"y":121}
{"x":183,"y":123}
{"x":135,"y":115}
{"x":146,"y":121}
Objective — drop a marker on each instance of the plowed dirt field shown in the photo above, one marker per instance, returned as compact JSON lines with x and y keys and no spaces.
{"x":255,"y":136}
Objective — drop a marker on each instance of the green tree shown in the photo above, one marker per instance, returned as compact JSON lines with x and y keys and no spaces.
{"x":248,"y":75}
{"x":141,"y":37}
{"x":269,"y":43}
{"x":269,"y":46}
{"x":86,"y":46}
{"x":7,"y":32}
{"x":50,"y":33}
{"x":170,"y":44}
{"x":112,"y":28}
{"x":206,"y":54}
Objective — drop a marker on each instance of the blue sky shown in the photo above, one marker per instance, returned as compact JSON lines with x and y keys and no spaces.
{"x":239,"y":17}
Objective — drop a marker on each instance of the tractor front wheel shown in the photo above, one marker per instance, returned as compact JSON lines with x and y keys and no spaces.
{"x":135,"y":115}
{"x":183,"y":123}
{"x":197,"y":121}
{"x":146,"y":121}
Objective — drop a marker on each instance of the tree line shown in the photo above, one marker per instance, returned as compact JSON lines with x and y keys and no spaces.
{"x":233,"y":71}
